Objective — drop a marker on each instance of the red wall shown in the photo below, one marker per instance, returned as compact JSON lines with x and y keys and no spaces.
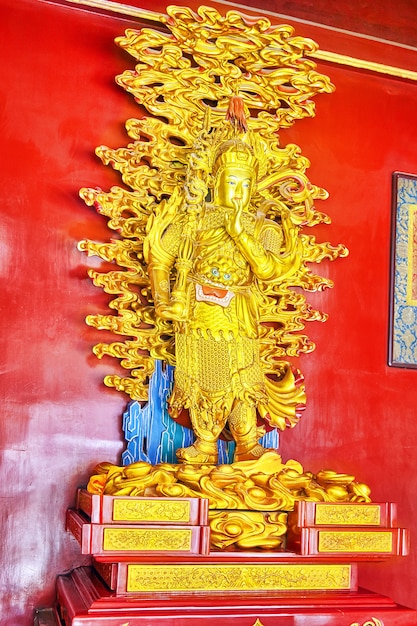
{"x":361,"y":415}
{"x":58,"y":103}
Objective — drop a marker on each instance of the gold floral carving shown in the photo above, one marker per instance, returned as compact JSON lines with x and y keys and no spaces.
{"x":355,"y":541}
{"x":327,"y":514}
{"x":151,"y":510}
{"x":116,"y":539}
{"x":217,"y":577}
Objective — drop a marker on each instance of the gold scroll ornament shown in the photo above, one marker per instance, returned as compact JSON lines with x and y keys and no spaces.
{"x":142,"y":540}
{"x":363,"y":516}
{"x":351,"y":541}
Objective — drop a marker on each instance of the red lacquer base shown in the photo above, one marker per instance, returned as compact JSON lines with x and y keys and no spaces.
{"x":137,"y":580}
{"x":83,"y":600}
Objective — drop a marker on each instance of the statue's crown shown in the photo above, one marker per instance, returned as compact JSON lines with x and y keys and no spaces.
{"x":235,"y":152}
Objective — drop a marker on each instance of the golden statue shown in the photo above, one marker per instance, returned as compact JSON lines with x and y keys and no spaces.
{"x":213,"y":260}
{"x":223,"y":252}
{"x":211,"y":241}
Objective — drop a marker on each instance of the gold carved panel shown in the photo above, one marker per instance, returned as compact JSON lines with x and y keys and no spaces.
{"x":151,"y":510}
{"x":238,"y":577}
{"x":355,"y":541}
{"x":329,"y":514}
{"x":120,"y":539}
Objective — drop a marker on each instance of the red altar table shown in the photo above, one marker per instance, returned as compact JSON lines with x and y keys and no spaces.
{"x":151,"y":565}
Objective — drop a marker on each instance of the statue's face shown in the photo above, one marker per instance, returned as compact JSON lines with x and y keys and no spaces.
{"x":232,"y":186}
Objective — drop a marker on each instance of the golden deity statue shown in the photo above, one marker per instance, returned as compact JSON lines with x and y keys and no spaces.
{"x":222,"y":252}
{"x":213,"y":255}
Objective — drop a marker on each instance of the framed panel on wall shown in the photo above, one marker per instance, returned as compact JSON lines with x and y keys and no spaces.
{"x":402,"y":345}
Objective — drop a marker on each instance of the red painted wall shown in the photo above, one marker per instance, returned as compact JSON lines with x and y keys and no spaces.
{"x":361,"y":415}
{"x":58,"y":103}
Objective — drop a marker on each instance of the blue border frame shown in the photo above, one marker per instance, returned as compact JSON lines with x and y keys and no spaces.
{"x":402,"y":345}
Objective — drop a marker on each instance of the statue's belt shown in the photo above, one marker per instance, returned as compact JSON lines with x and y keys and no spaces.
{"x":216,"y":295}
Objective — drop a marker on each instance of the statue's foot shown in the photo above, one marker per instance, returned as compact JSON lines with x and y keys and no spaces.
{"x":196,"y":455}
{"x":243,"y":454}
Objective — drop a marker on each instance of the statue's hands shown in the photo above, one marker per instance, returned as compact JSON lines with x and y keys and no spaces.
{"x":290,"y":230}
{"x":233,"y":220}
{"x":164,"y":214}
{"x":175,"y":311}
{"x":158,"y":222}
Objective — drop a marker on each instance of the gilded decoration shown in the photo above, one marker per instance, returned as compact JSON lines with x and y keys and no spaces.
{"x":223,"y":578}
{"x":246,"y":499}
{"x":351,"y":541}
{"x":264,"y":484}
{"x":329,"y":515}
{"x":151,"y":510}
{"x":121,"y":539}
{"x":178,"y":254}
{"x":246,"y":530}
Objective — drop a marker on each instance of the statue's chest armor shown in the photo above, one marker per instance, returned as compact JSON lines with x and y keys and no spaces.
{"x":217,"y":258}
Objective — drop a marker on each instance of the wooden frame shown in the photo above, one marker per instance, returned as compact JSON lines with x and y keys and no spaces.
{"x":402,"y":344}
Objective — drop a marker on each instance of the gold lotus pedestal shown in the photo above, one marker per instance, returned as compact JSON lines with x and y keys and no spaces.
{"x":152,"y":564}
